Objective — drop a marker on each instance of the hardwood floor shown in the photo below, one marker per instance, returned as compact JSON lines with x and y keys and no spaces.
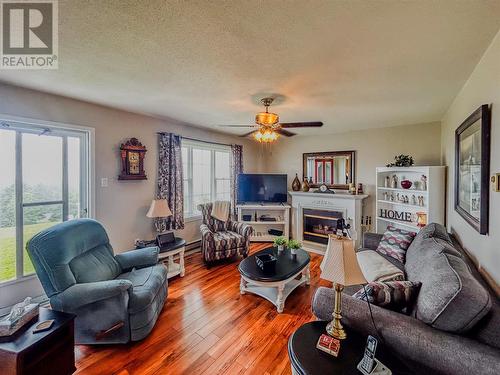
{"x":207,"y":327}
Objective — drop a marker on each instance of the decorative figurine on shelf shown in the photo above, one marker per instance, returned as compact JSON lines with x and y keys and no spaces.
{"x":423,"y":179}
{"x":360,"y":188}
{"x":385,"y":195}
{"x":392,"y":197}
{"x":296,"y":183}
{"x":387,"y":182}
{"x":352,"y":189}
{"x":421,"y":200}
{"x":394,"y":181}
{"x":401,"y":161}
{"x":414,"y":200}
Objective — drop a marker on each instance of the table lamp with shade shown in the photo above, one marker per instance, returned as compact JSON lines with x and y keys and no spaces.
{"x":158,"y":209}
{"x":340,"y":266}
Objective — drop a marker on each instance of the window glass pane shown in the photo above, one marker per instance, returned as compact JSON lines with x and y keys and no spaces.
{"x":202,"y":182}
{"x":7,"y":205}
{"x":221,"y":164}
{"x":222,"y":190}
{"x":187,"y":206}
{"x":184,"y":161}
{"x":42,"y":168}
{"x":35,"y":219}
{"x":74,"y":209}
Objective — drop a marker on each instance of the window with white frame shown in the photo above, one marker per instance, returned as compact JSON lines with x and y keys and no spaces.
{"x":45,"y":180}
{"x":206,"y":169}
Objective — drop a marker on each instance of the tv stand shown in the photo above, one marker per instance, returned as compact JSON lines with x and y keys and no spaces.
{"x":280,"y":211}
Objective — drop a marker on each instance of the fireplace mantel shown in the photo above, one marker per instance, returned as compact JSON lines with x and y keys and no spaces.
{"x":349,"y":205}
{"x":328,"y":195}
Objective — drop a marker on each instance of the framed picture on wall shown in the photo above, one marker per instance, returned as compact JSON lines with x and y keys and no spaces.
{"x":472,"y":168}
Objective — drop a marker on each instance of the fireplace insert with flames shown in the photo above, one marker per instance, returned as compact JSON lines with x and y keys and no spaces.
{"x":318,"y":224}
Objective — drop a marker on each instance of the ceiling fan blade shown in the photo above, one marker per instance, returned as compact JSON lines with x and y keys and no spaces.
{"x":247,"y":134}
{"x":312,"y":124}
{"x":284,"y":132}
{"x":236,"y":126}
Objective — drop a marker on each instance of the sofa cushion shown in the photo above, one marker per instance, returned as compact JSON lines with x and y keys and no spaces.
{"x":97,"y":264}
{"x":375,"y":267}
{"x":432,"y":230}
{"x":395,"y":242}
{"x":146,"y":284}
{"x":450,"y":298}
{"x":393,"y":295}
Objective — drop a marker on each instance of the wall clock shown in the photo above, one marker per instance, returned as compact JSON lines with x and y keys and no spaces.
{"x":132,"y":155}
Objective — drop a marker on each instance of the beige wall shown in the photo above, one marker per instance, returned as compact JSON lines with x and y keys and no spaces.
{"x":374,"y":148}
{"x":483,"y":87}
{"x":122,"y":206}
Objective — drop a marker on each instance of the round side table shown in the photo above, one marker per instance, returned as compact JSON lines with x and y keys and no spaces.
{"x":306,"y":359}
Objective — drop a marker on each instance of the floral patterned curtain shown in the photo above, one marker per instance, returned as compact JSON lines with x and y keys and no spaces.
{"x":236,"y":168}
{"x":170,"y":182}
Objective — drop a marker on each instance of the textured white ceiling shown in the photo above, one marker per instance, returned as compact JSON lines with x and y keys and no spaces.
{"x":351,"y":64}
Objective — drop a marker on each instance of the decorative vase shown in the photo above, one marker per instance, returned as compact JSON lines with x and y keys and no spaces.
{"x":305,"y":185}
{"x":296,"y":183}
{"x":406,"y":184}
{"x":281,"y":248}
{"x":293,"y":251}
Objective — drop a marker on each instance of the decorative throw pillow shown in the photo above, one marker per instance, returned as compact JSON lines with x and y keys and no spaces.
{"x":395,"y":242}
{"x":393,"y":295}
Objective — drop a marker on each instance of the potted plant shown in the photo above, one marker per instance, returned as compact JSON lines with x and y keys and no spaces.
{"x":280,"y":242}
{"x":293,"y":245}
{"x":401,"y":161}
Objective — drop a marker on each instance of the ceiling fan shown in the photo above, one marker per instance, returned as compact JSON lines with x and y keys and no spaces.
{"x":267,"y":125}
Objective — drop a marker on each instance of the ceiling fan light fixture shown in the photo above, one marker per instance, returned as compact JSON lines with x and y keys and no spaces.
{"x":265,"y":136}
{"x":266,"y":118}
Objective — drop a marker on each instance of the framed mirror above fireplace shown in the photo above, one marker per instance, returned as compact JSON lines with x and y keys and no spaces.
{"x":335,"y":169}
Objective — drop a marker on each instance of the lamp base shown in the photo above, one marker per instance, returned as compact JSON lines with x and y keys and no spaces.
{"x":335,"y":328}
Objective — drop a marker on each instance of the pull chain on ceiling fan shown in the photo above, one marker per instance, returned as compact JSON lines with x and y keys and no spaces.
{"x":268,"y":126}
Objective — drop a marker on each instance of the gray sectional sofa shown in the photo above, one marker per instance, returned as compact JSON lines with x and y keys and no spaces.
{"x":454,"y":327}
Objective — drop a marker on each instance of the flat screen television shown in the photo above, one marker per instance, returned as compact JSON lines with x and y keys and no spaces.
{"x":262,"y":188}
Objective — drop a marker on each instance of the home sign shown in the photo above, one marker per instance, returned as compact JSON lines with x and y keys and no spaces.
{"x":395,"y":215}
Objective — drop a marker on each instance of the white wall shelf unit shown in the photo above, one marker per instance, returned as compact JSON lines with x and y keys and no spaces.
{"x":428,"y":197}
{"x":280,"y":212}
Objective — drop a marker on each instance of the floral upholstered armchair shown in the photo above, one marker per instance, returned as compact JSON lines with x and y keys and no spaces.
{"x":221,"y":240}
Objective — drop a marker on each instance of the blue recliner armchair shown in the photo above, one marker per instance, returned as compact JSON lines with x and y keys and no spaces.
{"x":116,"y":298}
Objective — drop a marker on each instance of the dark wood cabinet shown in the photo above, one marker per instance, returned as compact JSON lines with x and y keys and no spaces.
{"x":49,"y":352}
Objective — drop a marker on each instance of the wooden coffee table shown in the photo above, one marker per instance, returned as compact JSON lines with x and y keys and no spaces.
{"x":291,"y":271}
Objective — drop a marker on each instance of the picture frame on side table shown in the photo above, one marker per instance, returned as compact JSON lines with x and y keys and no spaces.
{"x":472,"y":168}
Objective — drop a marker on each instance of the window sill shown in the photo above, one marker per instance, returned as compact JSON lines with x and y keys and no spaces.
{"x":190,"y":219}
{"x":17,"y":281}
